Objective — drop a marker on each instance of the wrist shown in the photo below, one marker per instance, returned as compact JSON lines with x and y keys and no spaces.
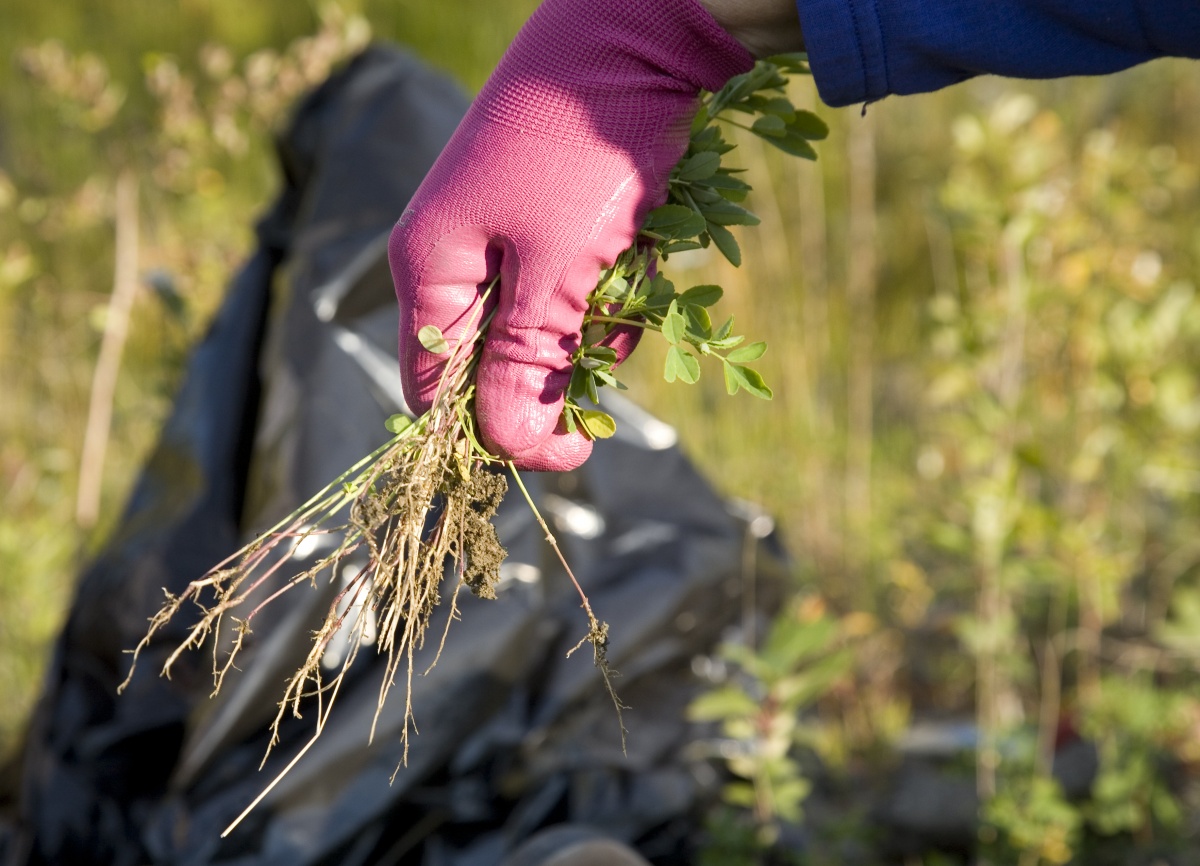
{"x":763,"y":27}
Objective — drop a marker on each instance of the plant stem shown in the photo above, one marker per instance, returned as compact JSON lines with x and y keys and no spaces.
{"x":616,"y":320}
{"x":550,"y":539}
{"x":112,"y":347}
{"x":597,"y":631}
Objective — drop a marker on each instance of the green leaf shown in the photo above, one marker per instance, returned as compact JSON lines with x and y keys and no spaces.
{"x":746,"y":354}
{"x":815,"y":681}
{"x":577,"y":387}
{"x":747,"y":379}
{"x":702,"y":296}
{"x":431,"y":338}
{"x":809,"y":126}
{"x":755,"y":385}
{"x":671,"y":247}
{"x":789,"y":796}
{"x":691,"y":368}
{"x":658,"y":289}
{"x":597,"y":424}
{"x":775,"y":79}
{"x":732,"y":383}
{"x":709,"y":141}
{"x":681,"y":365}
{"x":469,"y":428}
{"x":699,"y":324}
{"x":725,"y":330}
{"x":397,"y":424}
{"x":791,"y":642}
{"x":702,"y":194}
{"x":721,"y":704}
{"x":674,"y":324}
{"x":673,"y":364}
{"x":795,"y":144}
{"x":741,"y":86}
{"x":724,"y":343}
{"x":792,"y":61}
{"x":726,"y":243}
{"x":777,"y":105}
{"x":616,"y":288}
{"x":748,"y":660}
{"x":609,"y":379}
{"x":606,"y":354}
{"x":699,"y":166}
{"x":594,"y":332}
{"x":673,"y":221}
{"x":726,"y":213}
{"x":568,"y":416}
{"x":729,"y":187}
{"x":770,"y":126}
{"x":740,"y":794}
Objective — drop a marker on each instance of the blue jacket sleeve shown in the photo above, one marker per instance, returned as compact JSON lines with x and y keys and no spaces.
{"x":863,"y":50}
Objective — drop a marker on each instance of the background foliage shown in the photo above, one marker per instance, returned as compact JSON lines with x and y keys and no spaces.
{"x":984,"y":329}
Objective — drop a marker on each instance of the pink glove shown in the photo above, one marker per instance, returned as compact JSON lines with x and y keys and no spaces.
{"x":546,"y":181}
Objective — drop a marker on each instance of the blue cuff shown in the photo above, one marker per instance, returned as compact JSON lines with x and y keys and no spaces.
{"x":845,"y":49}
{"x":863,"y":50}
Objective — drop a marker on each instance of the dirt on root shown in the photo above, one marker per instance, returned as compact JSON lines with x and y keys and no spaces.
{"x":481,"y":554}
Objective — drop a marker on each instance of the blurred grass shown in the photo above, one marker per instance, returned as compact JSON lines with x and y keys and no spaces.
{"x":57,"y":168}
{"x":858,"y":506}
{"x":790,"y":453}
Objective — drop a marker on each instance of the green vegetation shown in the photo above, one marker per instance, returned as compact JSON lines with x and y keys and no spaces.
{"x":1017,"y":520}
{"x":703,"y":196}
{"x":984,"y":331}
{"x":180,"y":104}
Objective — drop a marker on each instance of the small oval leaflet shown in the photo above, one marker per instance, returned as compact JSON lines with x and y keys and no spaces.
{"x":673,"y":221}
{"x":681,"y":365}
{"x":397,"y":424}
{"x":810,"y":126}
{"x":674,"y":325}
{"x":771,"y":125}
{"x":745,"y":354}
{"x":726,"y":243}
{"x":599,"y":425}
{"x":702,"y":296}
{"x":433,"y":341}
{"x":746,"y":379}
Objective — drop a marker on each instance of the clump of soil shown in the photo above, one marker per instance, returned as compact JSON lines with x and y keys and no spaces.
{"x":481,"y":553}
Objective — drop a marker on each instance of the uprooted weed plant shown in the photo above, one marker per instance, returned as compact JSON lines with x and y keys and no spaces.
{"x":435,"y":464}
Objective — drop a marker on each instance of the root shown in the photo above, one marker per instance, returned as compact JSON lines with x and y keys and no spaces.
{"x":597,"y":634}
{"x":434,"y":467}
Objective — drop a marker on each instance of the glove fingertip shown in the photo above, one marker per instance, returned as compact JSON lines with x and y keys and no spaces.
{"x":560,"y":452}
{"x":519,"y":409}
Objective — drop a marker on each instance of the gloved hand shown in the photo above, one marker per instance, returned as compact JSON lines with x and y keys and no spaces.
{"x":545,"y":182}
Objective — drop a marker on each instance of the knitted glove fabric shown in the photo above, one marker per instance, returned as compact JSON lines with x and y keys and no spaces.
{"x":545,"y":182}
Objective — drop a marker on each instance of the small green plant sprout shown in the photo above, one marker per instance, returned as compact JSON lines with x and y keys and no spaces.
{"x":435,"y":464}
{"x":704,"y":198}
{"x":760,"y":708}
